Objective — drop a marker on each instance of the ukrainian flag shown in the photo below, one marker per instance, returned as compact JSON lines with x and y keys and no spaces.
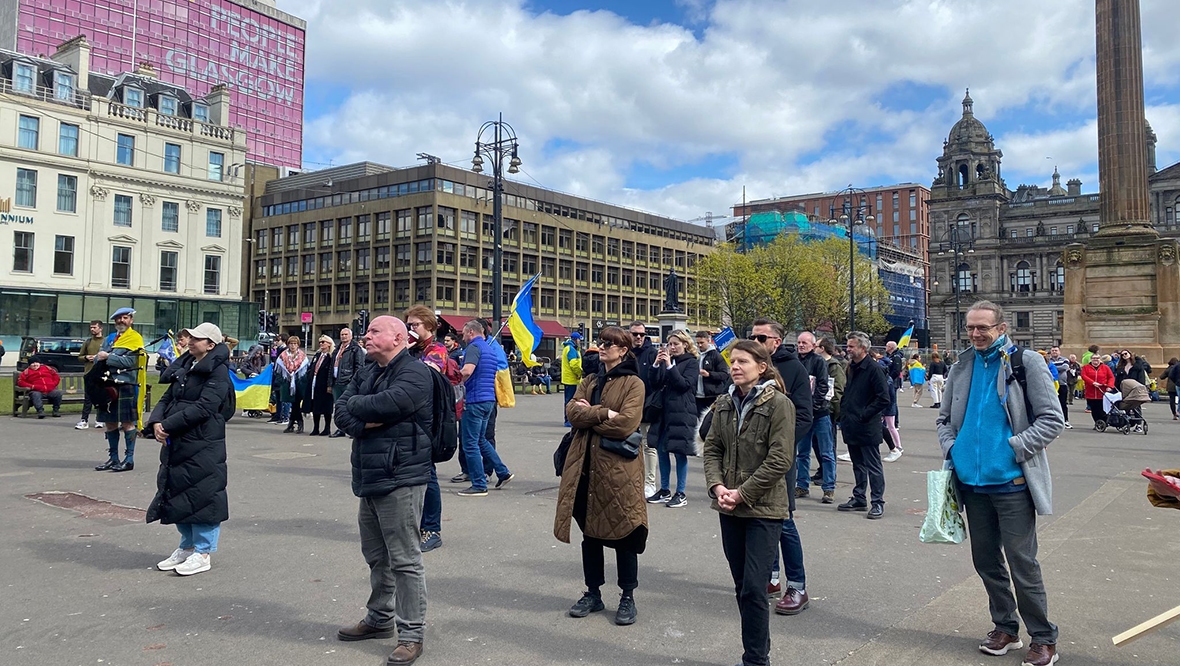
{"x":905,"y":338}
{"x":253,"y":393}
{"x":525,"y":331}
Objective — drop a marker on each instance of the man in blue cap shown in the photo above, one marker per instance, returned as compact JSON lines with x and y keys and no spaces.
{"x":126,"y":363}
{"x":571,"y":367}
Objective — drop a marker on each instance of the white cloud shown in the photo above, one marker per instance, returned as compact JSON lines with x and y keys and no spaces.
{"x":799,"y":92}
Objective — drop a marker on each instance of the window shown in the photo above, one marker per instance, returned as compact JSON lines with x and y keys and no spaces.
{"x":1069,"y":230}
{"x":547,"y":235}
{"x":425,"y":218}
{"x":403,"y":223}
{"x":307,"y":298}
{"x":529,"y":233}
{"x":26,"y":188}
{"x":122,"y":210}
{"x":1095,"y":228}
{"x":327,"y":229}
{"x":913,"y":199}
{"x":345,"y":230}
{"x":446,"y":254}
{"x":23,"y":77}
{"x":168,"y":264}
{"x":565,"y":239}
{"x":468,"y":257}
{"x":382,"y":260}
{"x":63,"y":255}
{"x":213,"y":222}
{"x":212,"y":274}
{"x":292,"y":266}
{"x":1012,"y":233}
{"x":216,"y":164}
{"x":1052,"y":231}
{"x":22,"y":255}
{"x":63,"y":86}
{"x":325,"y":263}
{"x":1023,"y":276}
{"x":446,"y":221}
{"x":125,"y":150}
{"x":133,"y":97}
{"x":964,"y":278}
{"x":381,"y":293}
{"x":121,"y":267}
{"x":582,"y":243}
{"x":29,"y":135}
{"x":445,"y":290}
{"x":384,"y":222}
{"x":167,"y":105}
{"x":172,"y":158}
{"x":67,"y":193}
{"x":344,"y":261}
{"x":362,"y":260}
{"x":309,"y":265}
{"x":402,"y":257}
{"x":200,"y":112}
{"x":170,"y":220}
{"x":1029,"y":232}
{"x":1058,"y":278}
{"x":1022,"y":320}
{"x":67,"y":140}
{"x":363,"y":228}
{"x":425,"y":252}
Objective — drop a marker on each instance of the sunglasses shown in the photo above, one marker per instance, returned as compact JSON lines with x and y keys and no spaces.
{"x":605,"y":345}
{"x":763,"y":338}
{"x":638,"y":335}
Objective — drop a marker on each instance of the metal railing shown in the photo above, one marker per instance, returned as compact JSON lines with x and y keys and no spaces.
{"x":65,"y":97}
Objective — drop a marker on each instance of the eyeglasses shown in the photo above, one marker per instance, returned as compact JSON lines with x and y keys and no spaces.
{"x":605,"y":345}
{"x":413,"y":324}
{"x":979,"y":329}
{"x":763,"y":338}
{"x":638,"y":335}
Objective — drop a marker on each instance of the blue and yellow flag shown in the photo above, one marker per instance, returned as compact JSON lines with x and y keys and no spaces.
{"x":905,"y":337}
{"x":253,"y":393}
{"x":525,"y":331}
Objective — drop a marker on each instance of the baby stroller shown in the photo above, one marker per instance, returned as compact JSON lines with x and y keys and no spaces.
{"x":1124,"y":413}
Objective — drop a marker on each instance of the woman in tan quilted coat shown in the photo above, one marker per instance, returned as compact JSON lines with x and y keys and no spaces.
{"x":600,"y":490}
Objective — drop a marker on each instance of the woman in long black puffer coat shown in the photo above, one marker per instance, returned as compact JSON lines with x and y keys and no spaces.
{"x":674,"y":373}
{"x":189,"y":422}
{"x":319,"y":398}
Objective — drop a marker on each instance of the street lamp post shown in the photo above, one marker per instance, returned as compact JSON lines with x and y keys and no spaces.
{"x":502,"y":145}
{"x":959,"y":241}
{"x":855,"y":210}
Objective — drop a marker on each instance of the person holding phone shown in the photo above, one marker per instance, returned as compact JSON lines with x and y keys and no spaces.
{"x":674,"y":433}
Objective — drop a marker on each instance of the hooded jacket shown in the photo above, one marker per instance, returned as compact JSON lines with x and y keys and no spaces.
{"x":817,"y":370}
{"x":192,"y":479}
{"x":798,"y":384}
{"x":43,"y":380}
{"x":615,"y":508}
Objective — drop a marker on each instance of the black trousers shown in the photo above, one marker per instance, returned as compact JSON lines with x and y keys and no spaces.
{"x":750,"y":546}
{"x":868,"y":471}
{"x":594,"y":565}
{"x":1063,"y":398}
{"x":1096,"y":409}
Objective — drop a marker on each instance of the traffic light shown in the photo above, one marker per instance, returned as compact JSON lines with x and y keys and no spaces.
{"x":272,"y":321}
{"x":262,"y":321}
{"x":362,"y":320}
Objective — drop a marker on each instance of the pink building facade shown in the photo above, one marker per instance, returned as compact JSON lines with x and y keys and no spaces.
{"x":249,"y":45}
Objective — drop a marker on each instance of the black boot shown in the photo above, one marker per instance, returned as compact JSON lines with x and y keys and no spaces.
{"x":112,"y":438}
{"x":290,"y":426}
{"x":109,"y":464}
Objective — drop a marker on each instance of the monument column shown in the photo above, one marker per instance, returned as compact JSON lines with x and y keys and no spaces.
{"x":1122,"y":129}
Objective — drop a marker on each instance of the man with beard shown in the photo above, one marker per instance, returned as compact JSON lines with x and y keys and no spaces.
{"x":866,"y":397}
{"x":124,"y":358}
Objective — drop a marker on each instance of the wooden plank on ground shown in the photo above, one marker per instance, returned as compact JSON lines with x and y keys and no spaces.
{"x":1158,"y":622}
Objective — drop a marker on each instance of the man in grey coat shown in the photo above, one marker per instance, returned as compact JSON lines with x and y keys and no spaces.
{"x":995,"y":436}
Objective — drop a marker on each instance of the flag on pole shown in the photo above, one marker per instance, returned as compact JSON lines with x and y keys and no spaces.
{"x":905,"y":337}
{"x":724,"y":339}
{"x":167,"y":350}
{"x":525,"y":331}
{"x":253,"y":393}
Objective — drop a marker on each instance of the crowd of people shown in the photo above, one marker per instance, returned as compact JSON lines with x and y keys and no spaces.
{"x":637,"y":409}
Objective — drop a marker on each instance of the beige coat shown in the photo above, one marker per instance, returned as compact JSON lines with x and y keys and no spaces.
{"x":615,"y":505}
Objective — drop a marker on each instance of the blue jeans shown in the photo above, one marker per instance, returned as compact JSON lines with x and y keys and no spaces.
{"x":570,"y":389}
{"x":432,"y":504}
{"x":284,"y":411}
{"x":792,"y":550}
{"x":666,"y":469}
{"x":476,"y":447}
{"x":201,"y":537}
{"x":821,"y":436}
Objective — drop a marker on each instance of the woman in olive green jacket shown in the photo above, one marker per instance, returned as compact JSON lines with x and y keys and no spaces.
{"x":747,"y":454}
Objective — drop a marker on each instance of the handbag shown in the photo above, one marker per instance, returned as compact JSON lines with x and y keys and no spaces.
{"x":944,"y":523}
{"x":624,"y":448}
{"x":562,"y":451}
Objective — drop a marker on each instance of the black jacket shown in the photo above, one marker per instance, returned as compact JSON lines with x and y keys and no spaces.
{"x":677,"y":424}
{"x":866,"y":397}
{"x":1140,"y":369}
{"x":350,"y":363}
{"x":590,"y":363}
{"x":319,"y":396}
{"x":397,"y":453}
{"x":717,"y":382}
{"x":896,"y":367}
{"x":817,"y":367}
{"x":191,"y":482}
{"x":937,"y":368}
{"x":645,"y":358}
{"x":795,"y":378}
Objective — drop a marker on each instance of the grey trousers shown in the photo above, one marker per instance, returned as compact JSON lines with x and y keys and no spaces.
{"x":1008,"y":522}
{"x":391,"y":544}
{"x":650,"y":462}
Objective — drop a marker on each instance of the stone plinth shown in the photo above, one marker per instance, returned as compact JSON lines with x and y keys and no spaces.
{"x":671,"y":321}
{"x":1123,"y":292}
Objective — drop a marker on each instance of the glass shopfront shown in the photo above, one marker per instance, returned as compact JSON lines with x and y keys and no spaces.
{"x":44,"y":314}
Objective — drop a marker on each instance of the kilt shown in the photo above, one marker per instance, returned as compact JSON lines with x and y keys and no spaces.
{"x":124,"y":409}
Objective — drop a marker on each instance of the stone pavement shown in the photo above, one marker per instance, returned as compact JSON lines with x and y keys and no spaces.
{"x":83,"y":590}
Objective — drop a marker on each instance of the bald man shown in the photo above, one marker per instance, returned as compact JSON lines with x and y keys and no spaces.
{"x":387,"y":411}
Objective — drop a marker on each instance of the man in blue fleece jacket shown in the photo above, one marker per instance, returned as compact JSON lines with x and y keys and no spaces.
{"x":997,"y":448}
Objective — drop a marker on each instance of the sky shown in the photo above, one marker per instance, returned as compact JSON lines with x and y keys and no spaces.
{"x":677,"y":107}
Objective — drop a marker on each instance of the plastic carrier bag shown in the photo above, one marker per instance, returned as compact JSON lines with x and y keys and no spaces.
{"x":944,"y":523}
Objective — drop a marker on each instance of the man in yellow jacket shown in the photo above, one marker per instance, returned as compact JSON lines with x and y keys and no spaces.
{"x":571,"y":367}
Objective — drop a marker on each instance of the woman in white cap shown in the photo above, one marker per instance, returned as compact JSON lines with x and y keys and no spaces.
{"x":189,"y":422}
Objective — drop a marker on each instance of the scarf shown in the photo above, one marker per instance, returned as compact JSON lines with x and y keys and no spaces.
{"x":293,"y":361}
{"x":133,"y":341}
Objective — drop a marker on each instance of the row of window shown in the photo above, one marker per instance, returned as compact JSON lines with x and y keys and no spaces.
{"x":425,"y":222}
{"x":24,"y":80}
{"x":477,"y":193}
{"x":1023,"y":279}
{"x":63,"y":263}
{"x":29,"y":136}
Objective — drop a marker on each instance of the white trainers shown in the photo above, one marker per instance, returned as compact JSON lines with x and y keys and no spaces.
{"x":1068,"y":425}
{"x":845,"y":457}
{"x":98,"y":425}
{"x":916,"y":406}
{"x":649,"y":489}
{"x":893,"y":455}
{"x":195,"y":564}
{"x":81,"y":425}
{"x":174,"y":560}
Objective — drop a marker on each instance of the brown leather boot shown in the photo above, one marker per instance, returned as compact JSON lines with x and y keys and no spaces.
{"x":406,"y":653}
{"x":362,"y":631}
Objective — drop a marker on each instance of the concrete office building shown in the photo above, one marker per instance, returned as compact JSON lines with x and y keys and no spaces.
{"x":365,"y":236}
{"x":116,"y":191}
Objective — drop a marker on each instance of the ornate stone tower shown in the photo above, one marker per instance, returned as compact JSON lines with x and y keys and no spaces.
{"x":1122,"y":286}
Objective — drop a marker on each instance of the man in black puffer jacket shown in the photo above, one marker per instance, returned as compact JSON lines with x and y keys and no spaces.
{"x":770,"y":335}
{"x":645,"y":358}
{"x":387,"y":410}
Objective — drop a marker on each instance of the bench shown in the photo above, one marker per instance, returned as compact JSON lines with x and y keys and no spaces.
{"x":72,"y":392}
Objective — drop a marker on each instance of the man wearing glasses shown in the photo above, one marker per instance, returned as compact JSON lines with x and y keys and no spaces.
{"x":997,"y":449}
{"x":645,"y":355}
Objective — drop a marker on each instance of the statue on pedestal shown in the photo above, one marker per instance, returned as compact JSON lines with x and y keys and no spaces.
{"x":672,"y":292}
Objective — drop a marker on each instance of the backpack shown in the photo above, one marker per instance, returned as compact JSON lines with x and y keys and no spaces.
{"x":1019,"y":374}
{"x":444,"y":430}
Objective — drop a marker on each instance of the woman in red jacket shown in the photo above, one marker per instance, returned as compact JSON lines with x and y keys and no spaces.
{"x":1098,"y":379}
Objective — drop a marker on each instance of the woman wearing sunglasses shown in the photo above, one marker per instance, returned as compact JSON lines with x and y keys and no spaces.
{"x":1129,"y":366}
